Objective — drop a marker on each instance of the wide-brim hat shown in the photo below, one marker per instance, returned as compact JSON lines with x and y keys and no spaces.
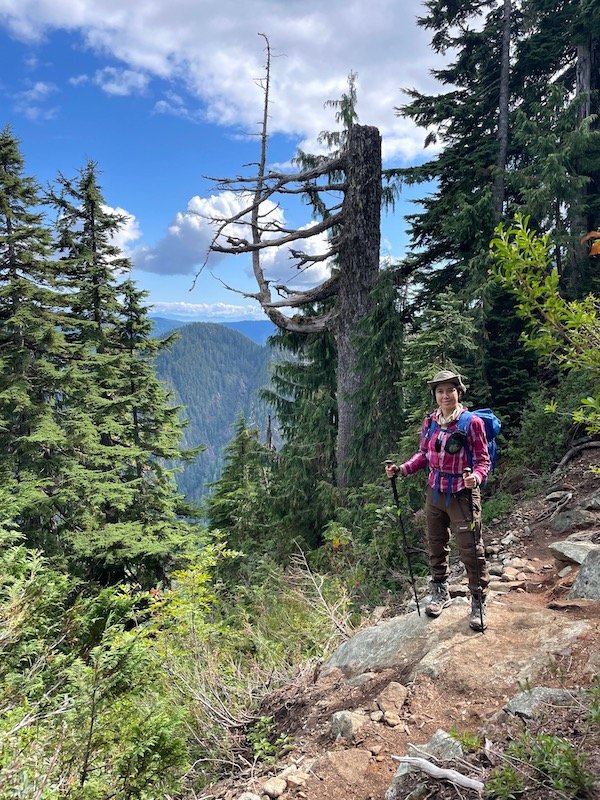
{"x":446,"y":376}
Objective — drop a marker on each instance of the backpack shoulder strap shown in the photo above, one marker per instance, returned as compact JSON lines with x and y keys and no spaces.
{"x":464,"y":421}
{"x":430,"y":427}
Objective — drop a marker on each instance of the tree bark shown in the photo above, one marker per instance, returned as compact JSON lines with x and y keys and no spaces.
{"x":503,"y":105}
{"x":576,"y":274}
{"x":359,"y":266}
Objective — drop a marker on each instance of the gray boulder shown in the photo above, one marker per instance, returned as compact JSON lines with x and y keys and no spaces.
{"x":587,"y":582}
{"x":530,"y":703}
{"x":572,"y":551}
{"x":573,"y":520}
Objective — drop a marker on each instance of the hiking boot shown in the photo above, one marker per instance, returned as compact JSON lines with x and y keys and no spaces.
{"x":477,"y":613}
{"x":440,"y":599}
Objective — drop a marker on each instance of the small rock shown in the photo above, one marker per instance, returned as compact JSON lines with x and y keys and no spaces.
{"x":345,"y":724}
{"x":587,"y":582}
{"x":572,"y":551}
{"x":498,"y":587}
{"x":289,"y":770}
{"x":392,"y":719}
{"x":572,"y":520}
{"x":392,"y":698}
{"x":528,"y":703}
{"x":249,"y":796}
{"x":298,"y":779}
{"x":275,"y":787}
{"x":441,"y":746}
{"x":565,"y":571}
{"x":376,"y":716}
{"x":518,"y":563}
{"x":556,"y":497}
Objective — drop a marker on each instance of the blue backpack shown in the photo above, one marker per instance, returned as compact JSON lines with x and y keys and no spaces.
{"x":493,"y":426}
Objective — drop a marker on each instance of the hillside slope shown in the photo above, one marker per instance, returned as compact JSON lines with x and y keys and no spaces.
{"x":215,"y":374}
{"x":448,"y":677}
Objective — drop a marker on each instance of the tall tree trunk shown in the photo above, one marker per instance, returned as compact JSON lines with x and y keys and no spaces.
{"x":503,"y":104}
{"x":576,"y":276}
{"x":359,"y":260}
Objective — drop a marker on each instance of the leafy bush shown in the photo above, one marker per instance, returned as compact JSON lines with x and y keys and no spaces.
{"x":557,"y":762}
{"x":267,"y":746}
{"x":547,"y":425}
{"x":83,"y":716}
{"x":505,"y":783}
{"x":224,"y":648}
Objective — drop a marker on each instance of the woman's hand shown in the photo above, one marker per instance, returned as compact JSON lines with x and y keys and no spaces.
{"x":391,"y":469}
{"x":470,"y":479}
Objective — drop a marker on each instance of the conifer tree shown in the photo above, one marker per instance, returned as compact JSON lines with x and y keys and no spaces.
{"x":303,"y":395}
{"x":127,"y":514}
{"x":381,"y":399}
{"x":240,"y":505}
{"x":32,"y":352}
{"x":509,"y":132}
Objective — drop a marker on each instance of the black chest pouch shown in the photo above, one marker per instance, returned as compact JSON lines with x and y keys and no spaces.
{"x":455,"y":442}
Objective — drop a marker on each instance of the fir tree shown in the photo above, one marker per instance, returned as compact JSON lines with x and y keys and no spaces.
{"x":240,"y":505}
{"x":126,"y":514}
{"x":304,"y":399}
{"x":32,"y":352}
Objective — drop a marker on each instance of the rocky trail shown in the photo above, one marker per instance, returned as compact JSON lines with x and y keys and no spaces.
{"x":396,"y":685}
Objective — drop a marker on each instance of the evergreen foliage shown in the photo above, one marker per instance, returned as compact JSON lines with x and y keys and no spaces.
{"x":240,"y":505}
{"x":303,"y":395}
{"x":84,"y":709}
{"x":33,"y":352}
{"x":125,"y":518}
{"x":549,"y":169}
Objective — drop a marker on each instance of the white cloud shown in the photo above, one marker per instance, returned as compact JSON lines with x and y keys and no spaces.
{"x":79,"y":80}
{"x":129,"y":231}
{"x":120,"y":82}
{"x":209,"y":311}
{"x":184,"y":248}
{"x":31,"y":102}
{"x":214,"y":51}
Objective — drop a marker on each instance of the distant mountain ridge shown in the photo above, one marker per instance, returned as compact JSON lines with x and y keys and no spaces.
{"x":257,"y":330}
{"x":215,"y":373}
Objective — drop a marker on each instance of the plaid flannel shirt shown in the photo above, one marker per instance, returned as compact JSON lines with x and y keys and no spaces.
{"x":442,"y":465}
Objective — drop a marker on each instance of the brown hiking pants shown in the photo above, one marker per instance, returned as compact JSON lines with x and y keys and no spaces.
{"x":465,"y":524}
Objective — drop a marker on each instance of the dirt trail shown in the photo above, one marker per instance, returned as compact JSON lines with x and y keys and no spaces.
{"x":467,"y":680}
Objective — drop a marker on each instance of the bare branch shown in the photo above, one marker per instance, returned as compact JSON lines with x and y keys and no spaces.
{"x":450,"y":775}
{"x":327,"y":289}
{"x":258,"y":244}
{"x":282,"y":178}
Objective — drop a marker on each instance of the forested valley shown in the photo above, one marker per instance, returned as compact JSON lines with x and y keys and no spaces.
{"x":142,"y":624}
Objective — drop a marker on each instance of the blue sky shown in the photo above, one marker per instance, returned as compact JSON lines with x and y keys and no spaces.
{"x":161,"y":95}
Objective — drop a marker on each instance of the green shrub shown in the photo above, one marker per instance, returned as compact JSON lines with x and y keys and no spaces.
{"x":267,"y":746}
{"x":547,"y":426}
{"x":504,"y":783}
{"x":85,"y":715}
{"x":556,"y":763}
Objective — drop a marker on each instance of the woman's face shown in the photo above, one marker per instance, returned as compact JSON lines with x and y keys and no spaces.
{"x":446,"y":395}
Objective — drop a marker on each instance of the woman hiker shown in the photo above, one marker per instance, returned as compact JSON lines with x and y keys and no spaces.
{"x":458,"y":464}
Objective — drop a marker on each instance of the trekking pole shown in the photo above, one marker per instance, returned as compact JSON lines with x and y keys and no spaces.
{"x":404,"y":539}
{"x":468,"y":471}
